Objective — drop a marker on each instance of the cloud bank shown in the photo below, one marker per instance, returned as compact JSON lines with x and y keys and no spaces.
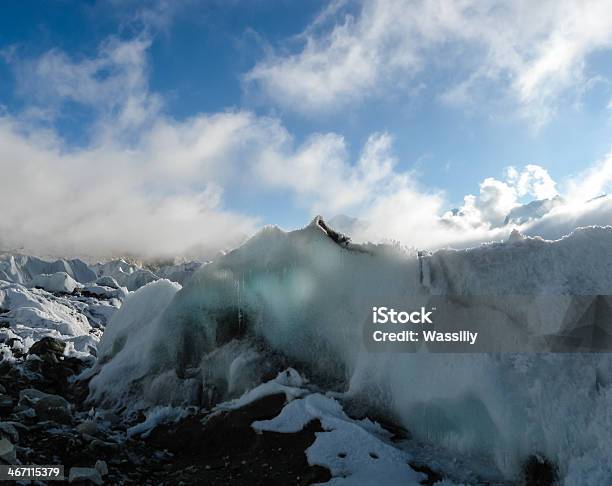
{"x":148,"y":184}
{"x":531,"y":53}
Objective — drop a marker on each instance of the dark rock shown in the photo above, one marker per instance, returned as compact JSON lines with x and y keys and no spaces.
{"x":433,"y":477}
{"x":539,"y":471}
{"x":54,"y":408}
{"x":98,"y":446}
{"x":211,"y":450}
{"x":8,"y":453}
{"x":12,"y":341}
{"x":338,"y":238}
{"x":29,"y":396}
{"x":6,"y":405}
{"x":46,"y":406}
{"x":101,"y":467}
{"x":48,"y":348}
{"x":87,"y":427}
{"x":8,"y":431}
{"x":110,"y":417}
{"x":84,"y":474}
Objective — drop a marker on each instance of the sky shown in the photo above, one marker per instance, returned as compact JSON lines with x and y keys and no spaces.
{"x":159,"y":127}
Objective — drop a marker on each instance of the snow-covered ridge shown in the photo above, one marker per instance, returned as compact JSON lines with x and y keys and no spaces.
{"x":577,"y":264}
{"x":306,"y":294}
{"x":533,"y":210}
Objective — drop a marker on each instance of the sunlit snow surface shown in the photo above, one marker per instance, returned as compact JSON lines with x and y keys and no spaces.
{"x":304,"y":296}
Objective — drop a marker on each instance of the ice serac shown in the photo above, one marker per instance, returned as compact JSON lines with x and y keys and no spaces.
{"x":133,"y":276}
{"x":125,"y":274}
{"x":180,"y":272}
{"x":305,"y":295}
{"x":129,"y":346}
{"x":22,"y":269}
{"x":33,"y":313}
{"x":59,"y":282}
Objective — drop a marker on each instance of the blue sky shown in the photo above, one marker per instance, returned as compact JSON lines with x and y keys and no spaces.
{"x":445,"y":95}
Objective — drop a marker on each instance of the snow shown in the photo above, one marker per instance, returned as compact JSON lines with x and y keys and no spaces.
{"x":57,"y":282}
{"x":130,"y":340}
{"x":154,"y":417}
{"x":533,"y":210}
{"x":82,"y":344}
{"x":68,"y":299}
{"x":21,"y":269}
{"x":290,"y":272}
{"x":307,"y":297}
{"x":30,"y":310}
{"x":577,"y":264}
{"x":353,"y":453}
{"x":179,"y":273}
{"x":288,"y":382}
{"x":133,"y":276}
{"x":24,"y":269}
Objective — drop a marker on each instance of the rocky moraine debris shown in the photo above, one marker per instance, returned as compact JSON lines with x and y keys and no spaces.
{"x":44,"y":419}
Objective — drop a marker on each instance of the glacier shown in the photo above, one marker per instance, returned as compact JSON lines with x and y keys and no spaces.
{"x":302,"y":297}
{"x":68,"y":299}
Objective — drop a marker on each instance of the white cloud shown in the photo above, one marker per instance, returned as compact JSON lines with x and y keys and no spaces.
{"x":592,"y":182}
{"x":412,"y":217}
{"x":534,"y":181}
{"x":320,"y":172}
{"x":161,"y":190}
{"x":144,"y":183}
{"x":565,"y":218}
{"x":114,"y":84}
{"x":497,"y":198}
{"x":531,"y":51}
{"x":102,"y":200}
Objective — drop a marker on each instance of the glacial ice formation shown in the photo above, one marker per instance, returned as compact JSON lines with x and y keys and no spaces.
{"x":133,"y":276}
{"x":34,"y":309}
{"x":66,"y":299}
{"x":59,"y":282}
{"x":305,"y":296}
{"x":22,"y":269}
